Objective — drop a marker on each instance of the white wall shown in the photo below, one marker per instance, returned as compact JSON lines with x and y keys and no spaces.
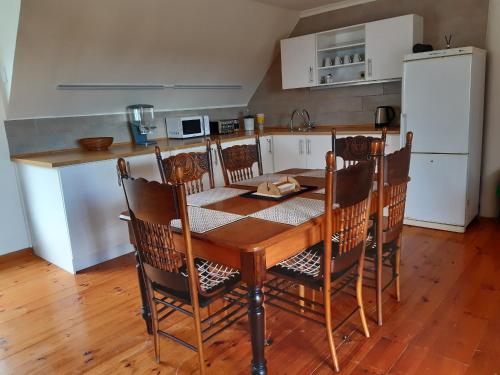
{"x":9,"y":19}
{"x":13,"y":231}
{"x":141,"y":42}
{"x":491,"y":148}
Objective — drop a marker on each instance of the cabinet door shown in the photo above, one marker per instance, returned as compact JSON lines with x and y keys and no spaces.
{"x":289,"y":152}
{"x":316,"y":148}
{"x":266,"y":149}
{"x":393,"y":143}
{"x":298,"y":62}
{"x":387,"y":42}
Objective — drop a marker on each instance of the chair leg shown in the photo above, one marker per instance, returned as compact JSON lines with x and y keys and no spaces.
{"x":302,"y":293}
{"x":359,"y":297}
{"x":154,"y":317}
{"x":199,"y":338}
{"x":329,"y":328}
{"x":397,"y":267}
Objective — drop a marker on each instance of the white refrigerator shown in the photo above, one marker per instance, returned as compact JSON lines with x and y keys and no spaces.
{"x":442,"y":104}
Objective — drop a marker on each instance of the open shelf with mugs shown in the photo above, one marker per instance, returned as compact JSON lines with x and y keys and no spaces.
{"x":341,"y":55}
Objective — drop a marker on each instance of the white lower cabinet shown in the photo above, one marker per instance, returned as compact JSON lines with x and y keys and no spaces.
{"x":289,"y":152}
{"x":300,"y":151}
{"x":266,"y":150}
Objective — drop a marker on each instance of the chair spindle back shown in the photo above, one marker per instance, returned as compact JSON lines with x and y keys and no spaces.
{"x":195,"y":166}
{"x":349,"y":190}
{"x":237,"y":161}
{"x":353,"y":149}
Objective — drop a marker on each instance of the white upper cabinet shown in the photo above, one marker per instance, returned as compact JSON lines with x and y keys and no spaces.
{"x":298,"y":62}
{"x":357,"y":54}
{"x":387,"y":42}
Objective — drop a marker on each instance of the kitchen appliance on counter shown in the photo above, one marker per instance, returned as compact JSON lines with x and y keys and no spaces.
{"x":443,"y":102}
{"x":224,"y":126}
{"x":187,"y":127}
{"x":384,"y":116}
{"x":141,"y":119}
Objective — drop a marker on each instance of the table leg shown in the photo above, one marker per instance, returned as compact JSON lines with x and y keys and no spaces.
{"x":253,"y":274}
{"x":145,"y":311}
{"x":256,"y":315}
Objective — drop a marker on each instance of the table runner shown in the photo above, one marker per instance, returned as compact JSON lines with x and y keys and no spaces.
{"x":319,"y":173}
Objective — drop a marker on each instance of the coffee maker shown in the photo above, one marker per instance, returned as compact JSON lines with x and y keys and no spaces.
{"x":141,"y":120}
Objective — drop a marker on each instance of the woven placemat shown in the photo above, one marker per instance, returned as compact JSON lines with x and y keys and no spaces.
{"x":293,"y":212}
{"x":202,"y":220}
{"x":320,"y":173}
{"x":213,"y":195}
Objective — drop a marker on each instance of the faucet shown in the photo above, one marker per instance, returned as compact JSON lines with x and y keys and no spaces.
{"x":306,"y":119}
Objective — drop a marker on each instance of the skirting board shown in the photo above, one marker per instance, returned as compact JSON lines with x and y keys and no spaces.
{"x":427,"y":224}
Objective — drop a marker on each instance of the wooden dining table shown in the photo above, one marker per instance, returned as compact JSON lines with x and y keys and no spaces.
{"x":252,"y":246}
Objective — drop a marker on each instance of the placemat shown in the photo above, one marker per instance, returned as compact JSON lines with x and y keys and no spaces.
{"x":202,"y":220}
{"x":320,"y":173}
{"x":256,"y":181}
{"x":213,"y":195}
{"x":293,"y":212}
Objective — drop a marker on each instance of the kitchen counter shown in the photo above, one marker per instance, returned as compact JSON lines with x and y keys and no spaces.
{"x":61,"y":158}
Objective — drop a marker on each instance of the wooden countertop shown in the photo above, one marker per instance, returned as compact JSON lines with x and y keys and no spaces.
{"x":61,"y":158}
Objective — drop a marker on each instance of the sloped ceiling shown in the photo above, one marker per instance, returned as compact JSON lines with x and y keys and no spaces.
{"x":141,"y":42}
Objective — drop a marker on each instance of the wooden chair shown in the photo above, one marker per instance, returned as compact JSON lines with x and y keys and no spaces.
{"x":353,"y":149}
{"x":385,"y":248}
{"x":194,"y":164}
{"x":338,"y":261}
{"x":237,"y":161}
{"x":176,"y":279}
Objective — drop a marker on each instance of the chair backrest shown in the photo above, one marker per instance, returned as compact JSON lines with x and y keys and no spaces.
{"x":237,"y":161}
{"x":396,"y":167}
{"x":152,"y":207}
{"x":353,"y":149}
{"x":347,"y":209}
{"x":194,"y":164}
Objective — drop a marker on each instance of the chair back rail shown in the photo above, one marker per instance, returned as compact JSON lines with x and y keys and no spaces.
{"x":237,"y":161}
{"x":352,"y":150}
{"x":396,"y":167}
{"x":195,"y":166}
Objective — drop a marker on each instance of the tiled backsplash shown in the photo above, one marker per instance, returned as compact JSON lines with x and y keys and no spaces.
{"x":48,"y":134}
{"x":351,"y":105}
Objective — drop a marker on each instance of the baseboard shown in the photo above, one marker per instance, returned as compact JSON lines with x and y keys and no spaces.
{"x":431,"y":225}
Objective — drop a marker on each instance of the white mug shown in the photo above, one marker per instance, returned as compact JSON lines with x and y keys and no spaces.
{"x":347,"y":59}
{"x":328,"y":61}
{"x":338,"y":60}
{"x":357,"y":58}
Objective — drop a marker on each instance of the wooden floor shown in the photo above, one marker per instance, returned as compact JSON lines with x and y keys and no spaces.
{"x":448,"y":321}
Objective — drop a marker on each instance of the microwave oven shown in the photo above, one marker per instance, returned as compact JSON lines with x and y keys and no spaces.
{"x":187,"y":127}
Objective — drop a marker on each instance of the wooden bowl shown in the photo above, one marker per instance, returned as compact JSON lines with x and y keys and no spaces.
{"x":96,"y":143}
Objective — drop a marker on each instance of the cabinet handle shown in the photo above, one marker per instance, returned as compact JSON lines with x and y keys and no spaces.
{"x":308,"y":147}
{"x":370,"y":67}
{"x":269,"y":144}
{"x":301,"y":147}
{"x":311,"y":78}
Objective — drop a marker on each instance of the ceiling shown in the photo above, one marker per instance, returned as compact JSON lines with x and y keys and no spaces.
{"x":300,"y":4}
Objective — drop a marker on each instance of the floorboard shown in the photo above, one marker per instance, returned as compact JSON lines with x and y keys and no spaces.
{"x":447,"y":323}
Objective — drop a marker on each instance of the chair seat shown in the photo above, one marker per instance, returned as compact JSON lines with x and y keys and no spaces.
{"x":215,"y":279}
{"x":306,"y":266}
